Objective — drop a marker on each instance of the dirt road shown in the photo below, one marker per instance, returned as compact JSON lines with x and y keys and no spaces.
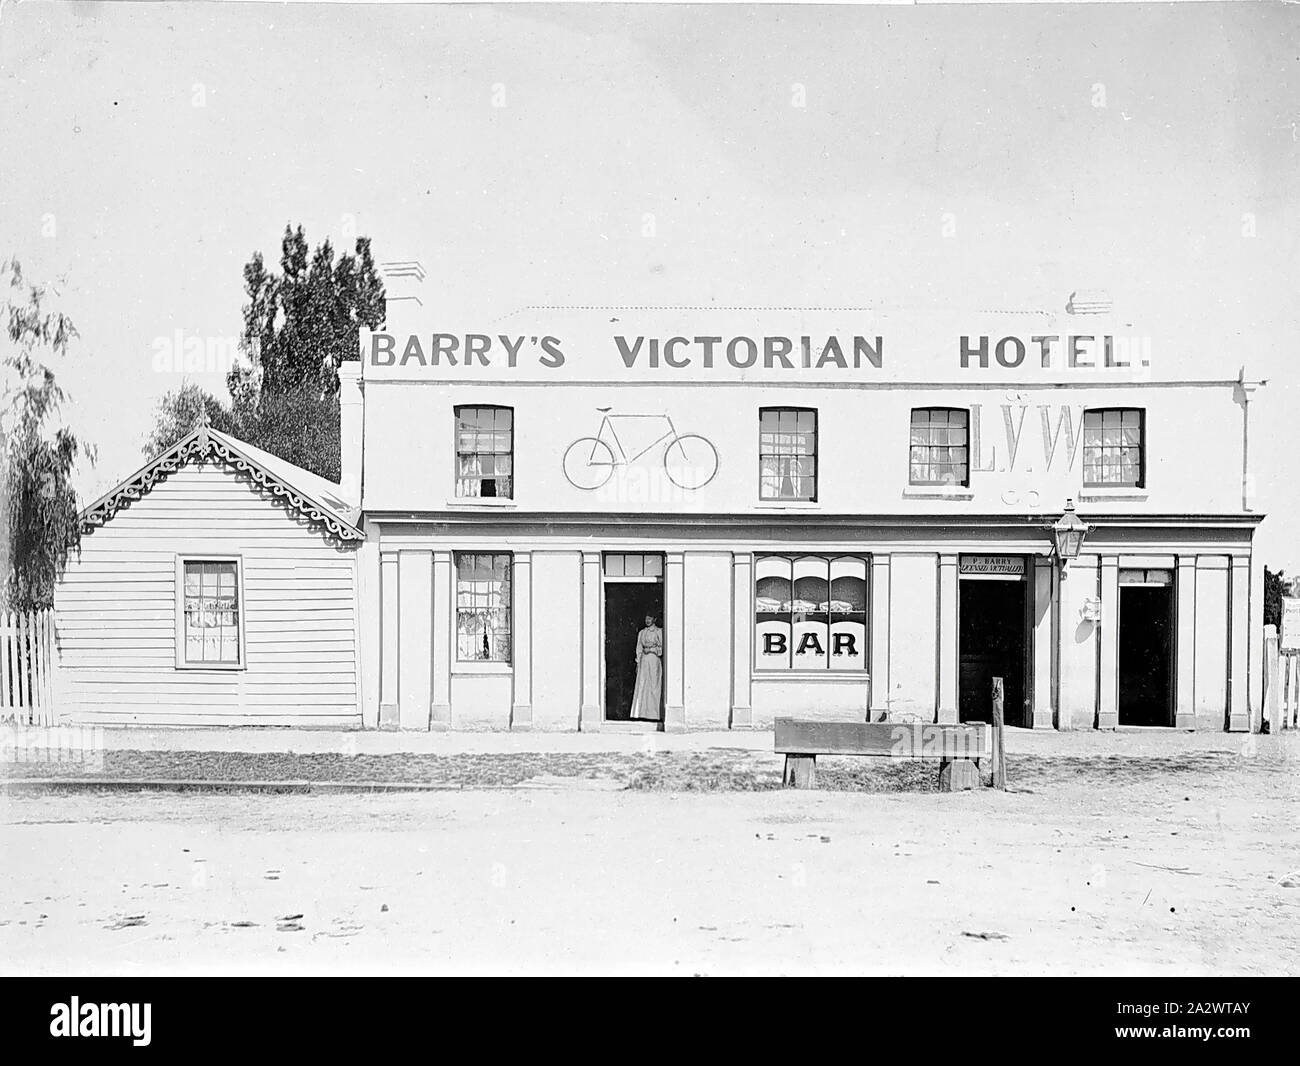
{"x":1133,"y":867}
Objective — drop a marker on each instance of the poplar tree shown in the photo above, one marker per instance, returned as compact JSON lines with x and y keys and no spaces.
{"x":299,"y":324}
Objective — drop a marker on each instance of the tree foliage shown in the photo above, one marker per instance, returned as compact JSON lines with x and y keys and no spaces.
{"x":1275,"y":583}
{"x":38,"y":505}
{"x":179,"y":411}
{"x":299,"y":325}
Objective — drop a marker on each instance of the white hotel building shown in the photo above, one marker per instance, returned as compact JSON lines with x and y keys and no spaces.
{"x":838,"y":513}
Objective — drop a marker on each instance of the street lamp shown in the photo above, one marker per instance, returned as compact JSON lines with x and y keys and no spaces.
{"x":1068,"y":532}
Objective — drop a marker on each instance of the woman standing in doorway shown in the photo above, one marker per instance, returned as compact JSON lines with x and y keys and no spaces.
{"x":649,"y":672}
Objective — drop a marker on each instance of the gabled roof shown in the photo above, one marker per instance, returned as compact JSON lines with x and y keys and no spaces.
{"x":319,"y":501}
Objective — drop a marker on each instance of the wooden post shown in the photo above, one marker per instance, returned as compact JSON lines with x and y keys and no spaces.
{"x":800,"y":771}
{"x":43,"y":643}
{"x":51,"y":668}
{"x":1289,"y":712}
{"x":1283,"y":679}
{"x":24,"y":684}
{"x":999,"y":753}
{"x":1284,"y":683}
{"x":1272,"y":710}
{"x":1295,"y":703}
{"x":6,"y":701}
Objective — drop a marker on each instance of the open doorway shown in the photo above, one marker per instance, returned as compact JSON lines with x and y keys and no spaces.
{"x":634,"y":591}
{"x":1146,"y":648}
{"x":992,"y":636}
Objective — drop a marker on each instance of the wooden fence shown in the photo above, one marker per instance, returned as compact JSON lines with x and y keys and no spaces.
{"x":28,"y":660}
{"x":1281,"y":708}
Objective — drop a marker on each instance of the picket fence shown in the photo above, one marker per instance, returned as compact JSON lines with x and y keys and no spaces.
{"x":28,"y":660}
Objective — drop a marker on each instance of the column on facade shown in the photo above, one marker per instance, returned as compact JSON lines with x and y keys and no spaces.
{"x":1076,"y":692}
{"x":1213,"y":635}
{"x":1108,"y":635}
{"x":368,"y":627}
{"x":444,"y":636}
{"x":1043,"y":577}
{"x":1255,"y":652}
{"x":675,"y":641}
{"x":1239,"y":644}
{"x":1185,"y":643}
{"x":742,"y":640}
{"x":521,"y":624}
{"x":589,"y":714}
{"x":415,"y":637}
{"x":948,"y":710}
{"x":879,"y":662}
{"x":389,"y":633}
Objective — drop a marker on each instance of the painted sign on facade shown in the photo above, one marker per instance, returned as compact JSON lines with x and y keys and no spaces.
{"x":992,"y":566}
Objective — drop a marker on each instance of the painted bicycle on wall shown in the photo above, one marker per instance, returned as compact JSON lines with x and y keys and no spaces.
{"x":689,"y":460}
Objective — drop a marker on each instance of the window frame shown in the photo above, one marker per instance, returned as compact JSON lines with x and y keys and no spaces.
{"x":182,"y":663}
{"x":828,"y":671}
{"x":932,"y":484}
{"x":1141,"y":482}
{"x":456,"y":452}
{"x":484,"y":665}
{"x":816,"y":453}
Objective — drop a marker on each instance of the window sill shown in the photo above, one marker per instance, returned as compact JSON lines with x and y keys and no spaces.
{"x":938,"y":492}
{"x":212,"y":668}
{"x":789,"y":505}
{"x":1099,"y":494}
{"x":487,"y":669}
{"x":858,"y":676}
{"x":482,"y":501}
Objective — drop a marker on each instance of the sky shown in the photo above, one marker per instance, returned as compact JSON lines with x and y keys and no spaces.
{"x":657,"y":155}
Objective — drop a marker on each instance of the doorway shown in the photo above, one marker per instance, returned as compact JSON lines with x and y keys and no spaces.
{"x":992,"y":642}
{"x":633,"y":590}
{"x":1146,"y":648}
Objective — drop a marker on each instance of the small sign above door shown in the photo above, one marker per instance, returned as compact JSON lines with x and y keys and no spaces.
{"x":1001,"y":567}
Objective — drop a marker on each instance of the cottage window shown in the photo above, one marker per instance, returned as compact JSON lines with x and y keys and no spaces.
{"x":939,"y":446}
{"x":810,"y":612}
{"x":483,"y":607}
{"x":787,"y":453}
{"x":1113,"y":447}
{"x":485,"y":444}
{"x":209,"y":613}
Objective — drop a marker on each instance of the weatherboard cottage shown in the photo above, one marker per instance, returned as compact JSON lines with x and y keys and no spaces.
{"x":215,"y":586}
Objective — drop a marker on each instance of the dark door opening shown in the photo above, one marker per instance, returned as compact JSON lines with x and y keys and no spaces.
{"x":626,"y":606}
{"x":992,"y":643}
{"x":1146,"y":641}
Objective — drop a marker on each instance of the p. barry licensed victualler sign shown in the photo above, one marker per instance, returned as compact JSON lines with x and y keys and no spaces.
{"x":1010,"y":567}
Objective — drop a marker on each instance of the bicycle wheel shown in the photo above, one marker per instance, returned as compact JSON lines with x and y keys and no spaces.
{"x":690,"y":461}
{"x":588,"y":463}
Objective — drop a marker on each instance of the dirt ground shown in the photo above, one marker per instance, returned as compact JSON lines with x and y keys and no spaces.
{"x":1108,"y":864}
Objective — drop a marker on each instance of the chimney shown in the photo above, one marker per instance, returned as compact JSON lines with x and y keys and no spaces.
{"x":351,"y":426}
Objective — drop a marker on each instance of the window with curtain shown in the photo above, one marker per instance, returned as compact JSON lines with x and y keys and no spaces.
{"x":211,"y":614}
{"x":485,"y":452}
{"x":483,"y":607}
{"x":810,"y":612}
{"x":939,"y":446}
{"x":1113,"y":447}
{"x":787,"y":453}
